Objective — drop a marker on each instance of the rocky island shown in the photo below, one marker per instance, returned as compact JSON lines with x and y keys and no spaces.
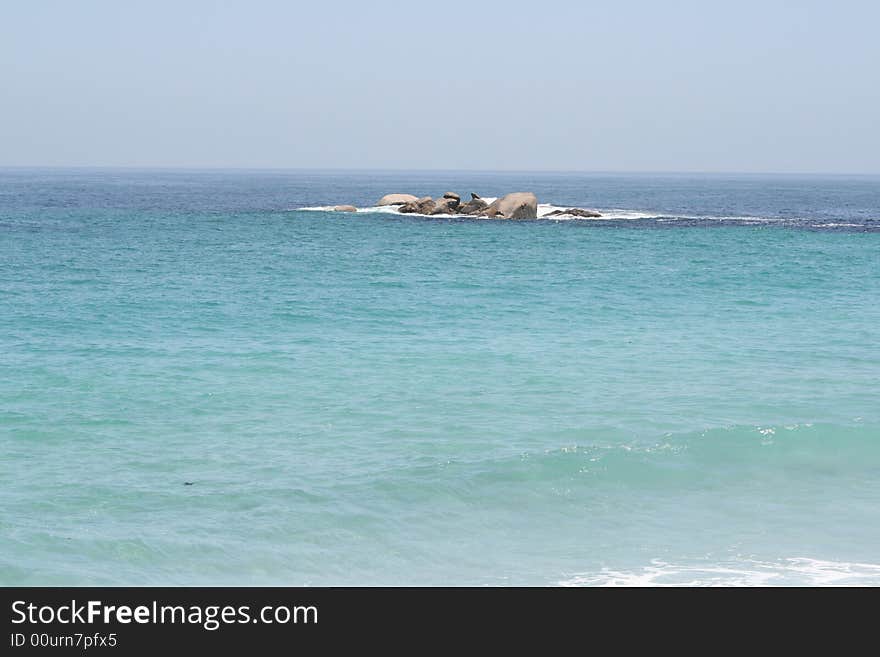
{"x":516,"y":205}
{"x":519,"y":205}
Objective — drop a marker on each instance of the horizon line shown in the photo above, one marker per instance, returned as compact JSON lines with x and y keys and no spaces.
{"x":641,"y":172}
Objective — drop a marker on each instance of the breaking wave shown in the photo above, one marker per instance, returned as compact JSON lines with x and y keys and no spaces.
{"x":793,"y":571}
{"x":544,"y":209}
{"x":623,"y":215}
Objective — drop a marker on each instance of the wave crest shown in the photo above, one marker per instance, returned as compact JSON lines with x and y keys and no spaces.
{"x":794,"y":571}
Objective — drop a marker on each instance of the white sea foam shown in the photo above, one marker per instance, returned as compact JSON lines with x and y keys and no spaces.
{"x":795,"y":571}
{"x":330,"y":208}
{"x":608,"y":214}
{"x":544,"y":209}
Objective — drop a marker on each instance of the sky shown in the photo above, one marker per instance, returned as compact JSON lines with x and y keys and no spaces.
{"x":623,"y":85}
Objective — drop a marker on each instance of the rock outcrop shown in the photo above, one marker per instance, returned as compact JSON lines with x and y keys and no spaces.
{"x":344,"y":208}
{"x":449,"y":204}
{"x":574,"y":212}
{"x":475,"y":206}
{"x":424,"y":205}
{"x":518,"y":205}
{"x":396,"y":199}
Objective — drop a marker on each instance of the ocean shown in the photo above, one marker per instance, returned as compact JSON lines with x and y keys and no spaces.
{"x":202,"y":383}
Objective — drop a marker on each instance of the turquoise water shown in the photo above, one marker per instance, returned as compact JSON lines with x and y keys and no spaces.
{"x":692,"y":397}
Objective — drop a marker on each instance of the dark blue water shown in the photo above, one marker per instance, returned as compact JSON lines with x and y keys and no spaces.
{"x":836,"y":202}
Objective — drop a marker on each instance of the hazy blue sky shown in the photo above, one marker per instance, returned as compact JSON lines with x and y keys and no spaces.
{"x":618,"y":85}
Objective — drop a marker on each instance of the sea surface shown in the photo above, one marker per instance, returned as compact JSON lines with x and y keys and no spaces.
{"x":202,"y":384}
